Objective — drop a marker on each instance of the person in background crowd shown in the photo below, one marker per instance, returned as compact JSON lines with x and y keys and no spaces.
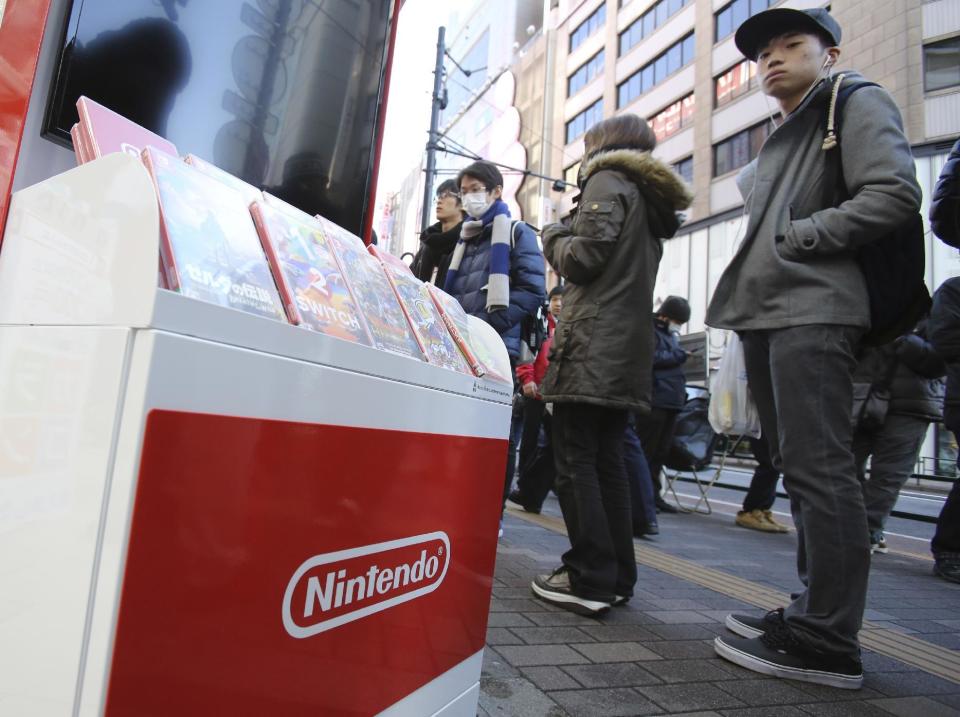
{"x":910,"y":371}
{"x":798,"y":299}
{"x":536,"y":473}
{"x":756,"y":512}
{"x":438,"y":241}
{"x":643,"y":506}
{"x":669,"y":391}
{"x":601,"y":360}
{"x":496,"y":271}
{"x":944,"y":333}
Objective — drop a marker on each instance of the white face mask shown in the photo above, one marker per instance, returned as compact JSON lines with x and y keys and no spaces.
{"x":476,"y":203}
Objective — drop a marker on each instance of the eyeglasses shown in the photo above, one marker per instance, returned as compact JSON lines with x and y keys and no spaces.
{"x":447,"y":195}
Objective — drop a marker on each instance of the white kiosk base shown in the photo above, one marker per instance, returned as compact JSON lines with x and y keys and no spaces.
{"x":204,"y":512}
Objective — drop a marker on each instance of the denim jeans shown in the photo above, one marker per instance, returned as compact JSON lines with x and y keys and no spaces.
{"x":642,"y":501}
{"x":802,"y":381}
{"x":595,"y":499}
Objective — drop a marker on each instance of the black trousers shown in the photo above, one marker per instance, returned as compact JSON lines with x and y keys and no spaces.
{"x":595,"y":499}
{"x":763,"y":485}
{"x":947,"y":537}
{"x":533,"y":411}
{"x":656,"y":432}
{"x":538,"y":474}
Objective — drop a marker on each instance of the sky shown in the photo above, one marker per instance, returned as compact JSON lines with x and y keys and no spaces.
{"x":411,"y":85}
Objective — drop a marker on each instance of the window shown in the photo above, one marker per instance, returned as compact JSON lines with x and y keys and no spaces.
{"x":685,"y":169}
{"x":669,"y":121}
{"x":941,"y":64}
{"x":571,"y":172}
{"x":729,"y":18}
{"x":737,"y":151}
{"x":460,"y":86}
{"x":643,"y":26}
{"x":584,"y":74}
{"x":584,"y":121}
{"x":589,"y":26}
{"x":736,"y":81}
{"x":656,"y":71}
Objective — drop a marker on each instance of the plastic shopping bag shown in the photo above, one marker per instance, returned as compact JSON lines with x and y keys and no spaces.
{"x":732,"y":410}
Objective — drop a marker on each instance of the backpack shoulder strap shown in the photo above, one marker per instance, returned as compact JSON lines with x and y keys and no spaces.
{"x":834,"y":186}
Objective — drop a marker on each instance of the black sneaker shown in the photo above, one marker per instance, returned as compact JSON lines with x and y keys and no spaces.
{"x":620,"y":600}
{"x":664,"y":507}
{"x":779,"y":653}
{"x":515,"y":501}
{"x":555,"y":589}
{"x":947,"y":566}
{"x":750,"y":626}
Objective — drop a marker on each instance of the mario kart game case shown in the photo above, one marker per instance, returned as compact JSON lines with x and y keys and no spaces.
{"x":438,"y":344}
{"x":209,"y":246}
{"x":314,"y":290}
{"x":388,"y":324}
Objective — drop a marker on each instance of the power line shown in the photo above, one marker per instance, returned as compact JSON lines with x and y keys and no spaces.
{"x":534,"y":135}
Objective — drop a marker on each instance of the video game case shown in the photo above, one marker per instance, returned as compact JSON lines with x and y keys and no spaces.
{"x":209,"y":246}
{"x":455,"y":319}
{"x":78,"y":148}
{"x":106,"y":132}
{"x":439,"y":346}
{"x":249,"y":192}
{"x":489,"y":349}
{"x":385,"y":318}
{"x":313,"y":288}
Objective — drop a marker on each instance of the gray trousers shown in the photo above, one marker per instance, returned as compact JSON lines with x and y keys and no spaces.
{"x":894,"y":449}
{"x":801,"y":380}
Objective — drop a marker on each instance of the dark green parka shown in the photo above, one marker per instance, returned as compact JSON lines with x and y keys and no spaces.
{"x":603,"y":347}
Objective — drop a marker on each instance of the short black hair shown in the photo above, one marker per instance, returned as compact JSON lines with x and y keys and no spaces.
{"x":451,"y":186}
{"x":558,"y":290}
{"x":486,"y":172}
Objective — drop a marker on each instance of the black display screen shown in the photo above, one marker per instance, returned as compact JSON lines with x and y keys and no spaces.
{"x":282,"y":93}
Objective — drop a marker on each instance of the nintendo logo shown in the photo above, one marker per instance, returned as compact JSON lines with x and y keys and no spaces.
{"x":332,"y":589}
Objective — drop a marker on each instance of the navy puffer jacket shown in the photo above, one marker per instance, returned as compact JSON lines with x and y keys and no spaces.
{"x":669,"y":379}
{"x":945,"y":203}
{"x":527,"y":282}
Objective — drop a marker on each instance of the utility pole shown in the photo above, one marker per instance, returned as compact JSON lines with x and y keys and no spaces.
{"x":431,"y":170}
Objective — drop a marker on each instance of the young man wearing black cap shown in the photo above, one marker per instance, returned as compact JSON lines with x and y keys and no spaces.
{"x":797,"y":297}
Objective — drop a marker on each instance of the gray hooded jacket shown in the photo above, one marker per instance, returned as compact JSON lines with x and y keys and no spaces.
{"x":797,"y":262}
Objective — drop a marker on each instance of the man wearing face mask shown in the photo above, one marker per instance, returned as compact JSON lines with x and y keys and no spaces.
{"x":497,"y":268}
{"x":797,"y":297}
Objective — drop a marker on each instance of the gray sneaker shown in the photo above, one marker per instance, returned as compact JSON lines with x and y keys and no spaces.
{"x":556,"y":589}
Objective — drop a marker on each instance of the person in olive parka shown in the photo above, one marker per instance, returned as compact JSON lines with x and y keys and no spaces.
{"x":601,"y":359}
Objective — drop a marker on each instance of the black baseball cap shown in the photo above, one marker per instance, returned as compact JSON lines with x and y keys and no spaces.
{"x":764,"y":26}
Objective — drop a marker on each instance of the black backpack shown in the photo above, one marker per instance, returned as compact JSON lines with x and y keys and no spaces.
{"x":894,"y":264}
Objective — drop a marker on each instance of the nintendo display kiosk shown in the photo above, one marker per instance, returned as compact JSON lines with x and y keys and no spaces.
{"x":208,"y":512}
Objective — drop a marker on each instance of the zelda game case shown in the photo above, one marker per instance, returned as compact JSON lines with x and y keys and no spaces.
{"x":313,"y":288}
{"x":386,"y":320}
{"x":208,"y":243}
{"x":106,"y":132}
{"x":249,"y":193}
{"x":422,"y":314}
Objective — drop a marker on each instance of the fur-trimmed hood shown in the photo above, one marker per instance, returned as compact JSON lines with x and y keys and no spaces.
{"x":666,"y":193}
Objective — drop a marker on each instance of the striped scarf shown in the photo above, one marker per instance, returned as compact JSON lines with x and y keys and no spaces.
{"x":498,"y":285}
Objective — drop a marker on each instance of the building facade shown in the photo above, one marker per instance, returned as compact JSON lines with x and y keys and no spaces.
{"x":674,"y":63}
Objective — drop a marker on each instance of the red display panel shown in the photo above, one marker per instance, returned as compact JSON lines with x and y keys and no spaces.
{"x":256,"y":545}
{"x":21,"y":31}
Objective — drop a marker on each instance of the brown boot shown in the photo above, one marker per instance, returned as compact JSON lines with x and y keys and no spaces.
{"x":754,"y":520}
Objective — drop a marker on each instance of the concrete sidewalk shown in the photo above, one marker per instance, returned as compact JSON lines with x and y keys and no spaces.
{"x":655,"y":655}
